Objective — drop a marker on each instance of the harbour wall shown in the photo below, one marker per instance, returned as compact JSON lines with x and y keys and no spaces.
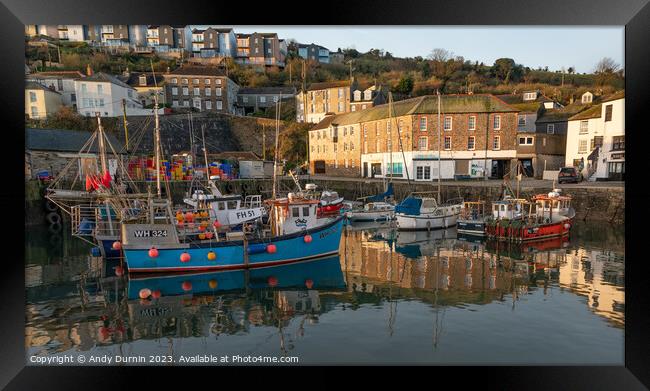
{"x":597,"y":204}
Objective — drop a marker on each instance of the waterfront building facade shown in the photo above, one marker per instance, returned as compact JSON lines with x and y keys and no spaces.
{"x":203,"y":88}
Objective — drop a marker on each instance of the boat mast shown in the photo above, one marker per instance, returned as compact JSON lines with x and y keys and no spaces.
{"x":277,"y":136}
{"x":439,"y":144}
{"x":390,"y":135}
{"x":157,"y":144}
{"x":102,"y":147}
{"x":205,"y":155}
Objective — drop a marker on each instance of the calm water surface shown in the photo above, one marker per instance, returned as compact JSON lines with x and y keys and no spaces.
{"x":390,"y":297}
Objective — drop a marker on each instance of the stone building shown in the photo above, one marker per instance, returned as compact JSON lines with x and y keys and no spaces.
{"x":204,"y":88}
{"x":478,"y":132}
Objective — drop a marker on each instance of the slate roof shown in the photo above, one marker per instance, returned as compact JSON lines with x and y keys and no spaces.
{"x":197,"y":71}
{"x":593,"y":112}
{"x":562,"y":114}
{"x":235,"y":155}
{"x":57,"y":75}
{"x":428,"y":104}
{"x":106,"y":78}
{"x":134,"y":79}
{"x":31,"y":85}
{"x":328,"y":84}
{"x":63,"y":140}
{"x":614,"y":96}
{"x":527,"y":106}
{"x":267,"y":91}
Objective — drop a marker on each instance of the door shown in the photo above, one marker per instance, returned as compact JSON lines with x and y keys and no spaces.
{"x":527,"y":168}
{"x":365,"y":169}
{"x":319,"y":167}
{"x":462,"y":167}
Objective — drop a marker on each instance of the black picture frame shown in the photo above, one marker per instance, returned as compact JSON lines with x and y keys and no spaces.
{"x":633,"y":14}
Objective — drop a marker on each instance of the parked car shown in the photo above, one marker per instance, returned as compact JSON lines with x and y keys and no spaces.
{"x":569,"y":174}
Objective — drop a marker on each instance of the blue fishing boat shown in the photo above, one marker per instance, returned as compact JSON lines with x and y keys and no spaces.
{"x":294,"y":234}
{"x":324,"y":273}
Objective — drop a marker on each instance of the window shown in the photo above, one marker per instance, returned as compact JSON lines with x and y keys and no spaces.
{"x":262,"y":99}
{"x":174,"y":90}
{"x":423,"y":172}
{"x":596,"y":142}
{"x":341,"y":93}
{"x":218,"y":90}
{"x":377,"y":146}
{"x":423,"y":124}
{"x":219,"y":105}
{"x":206,"y":81}
{"x":101,"y":102}
{"x":423,"y":143}
{"x":351,"y":130}
{"x":400,"y":125}
{"x":208,"y":105}
{"x":143,"y":80}
{"x":32,"y":96}
{"x":363,"y":107}
{"x":496,"y":124}
{"x":186,"y":103}
{"x":340,"y":106}
{"x":186,"y":91}
{"x":608,"y":113}
{"x":618,"y":143}
{"x":587,"y":98}
{"x":365,"y":131}
{"x":195,"y":81}
{"x":472,"y":122}
{"x":346,"y":163}
{"x":34,"y":112}
{"x":365,"y":147}
{"x":218,"y":81}
{"x":336,"y":147}
{"x":295,"y":212}
{"x":351,"y":146}
{"x":525,"y":141}
{"x":345,"y":131}
{"x":550,"y":128}
{"x":184,"y":81}
{"x":345,"y":146}
{"x":447,"y":143}
{"x":84,"y":87}
{"x":471,"y":143}
{"x":584,"y":127}
{"x":353,"y":108}
{"x":396,"y":171}
{"x":387,"y":127}
{"x":275,"y":99}
{"x":197,"y":91}
{"x":174,"y":81}
{"x":582,"y":146}
{"x":305,"y":211}
{"x":175,"y":103}
{"x":447,"y":125}
{"x":521,"y":120}
{"x":208,"y":91}
{"x":530,"y":96}
{"x":100,"y":89}
{"x":496,"y":143}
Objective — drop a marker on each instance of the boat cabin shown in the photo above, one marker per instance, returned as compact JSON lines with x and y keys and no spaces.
{"x":510,"y":209}
{"x":472,"y":210}
{"x":378,"y":207}
{"x":548,"y":205}
{"x":293,"y":214}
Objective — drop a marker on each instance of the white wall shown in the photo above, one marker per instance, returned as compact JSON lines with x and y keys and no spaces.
{"x":90,"y":102}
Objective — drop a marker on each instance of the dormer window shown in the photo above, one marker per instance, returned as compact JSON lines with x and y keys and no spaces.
{"x":367,"y":95}
{"x":357,"y":95}
{"x":587,"y":97}
{"x":143,"y":80}
{"x":530,"y":96}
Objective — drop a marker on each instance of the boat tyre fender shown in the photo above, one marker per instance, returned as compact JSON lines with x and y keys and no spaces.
{"x":53,"y":218}
{"x":50,"y":206}
{"x":260,"y":188}
{"x":428,"y":226}
{"x":55,"y":229}
{"x":230,"y":187}
{"x":245,"y":187}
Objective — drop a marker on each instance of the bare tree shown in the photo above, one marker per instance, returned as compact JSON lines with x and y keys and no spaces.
{"x":607,"y":65}
{"x":440,"y":55}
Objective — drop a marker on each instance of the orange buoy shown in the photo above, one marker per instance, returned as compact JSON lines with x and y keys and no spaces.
{"x":185,"y":257}
{"x":272,"y":281}
{"x":189,"y":216}
{"x":307,"y":239}
{"x":201,"y":228}
{"x":144,"y":293}
{"x":271,"y":249}
{"x":202,"y":236}
{"x":309,"y":283}
{"x":216,"y":224}
{"x":117,"y":245}
{"x":119,"y":271}
{"x":155,"y":294}
{"x":212,"y":284}
{"x":187,"y":286}
{"x":209,"y":235}
{"x":153,"y":252}
{"x":212,"y":256}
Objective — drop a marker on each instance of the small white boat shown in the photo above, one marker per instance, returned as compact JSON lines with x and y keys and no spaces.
{"x":372,"y":211}
{"x":421,"y":211}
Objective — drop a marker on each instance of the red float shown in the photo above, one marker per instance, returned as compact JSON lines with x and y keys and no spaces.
{"x":309,"y":283}
{"x":153,"y":252}
{"x":144,"y":293}
{"x":185,"y":257}
{"x":119,"y":271}
{"x":271,"y":249}
{"x":155,"y":294}
{"x":209,"y":235}
{"x":117,"y":245}
{"x":187,"y":286}
{"x":272,"y":281}
{"x":307,"y":238}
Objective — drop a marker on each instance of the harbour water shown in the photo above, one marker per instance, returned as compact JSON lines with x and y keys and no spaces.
{"x":389,"y":297}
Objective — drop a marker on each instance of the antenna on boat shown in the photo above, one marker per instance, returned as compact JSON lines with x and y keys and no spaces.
{"x":399,"y":137}
{"x":205,"y":155}
{"x":156,"y":132}
{"x":439,"y":141}
{"x":277,"y":136}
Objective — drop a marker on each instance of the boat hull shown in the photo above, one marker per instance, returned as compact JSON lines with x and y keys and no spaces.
{"x":425,"y":221}
{"x":325,"y":240}
{"x":471,"y":227}
{"x":531,"y":232}
{"x":106,"y":246}
{"x":370,"y":216}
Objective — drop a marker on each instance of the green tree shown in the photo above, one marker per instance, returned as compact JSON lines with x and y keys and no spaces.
{"x":405,"y":85}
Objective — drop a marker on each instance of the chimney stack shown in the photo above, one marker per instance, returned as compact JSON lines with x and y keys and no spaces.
{"x":89,"y":70}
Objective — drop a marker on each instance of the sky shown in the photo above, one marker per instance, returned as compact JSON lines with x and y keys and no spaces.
{"x":538,"y":46}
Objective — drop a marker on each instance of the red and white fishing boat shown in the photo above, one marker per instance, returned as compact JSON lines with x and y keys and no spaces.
{"x":552,"y":217}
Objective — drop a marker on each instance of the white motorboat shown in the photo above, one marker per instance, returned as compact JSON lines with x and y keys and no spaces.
{"x":421,"y":211}
{"x":372,"y":211}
